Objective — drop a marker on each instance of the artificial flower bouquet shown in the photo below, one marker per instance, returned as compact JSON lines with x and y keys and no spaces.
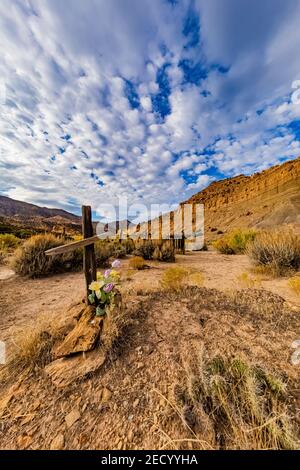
{"x":103,"y":290}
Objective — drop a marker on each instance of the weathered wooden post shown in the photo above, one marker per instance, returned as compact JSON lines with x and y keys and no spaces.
{"x":89,"y":259}
{"x":149,"y":229}
{"x":160,"y":225}
{"x":182,"y":232}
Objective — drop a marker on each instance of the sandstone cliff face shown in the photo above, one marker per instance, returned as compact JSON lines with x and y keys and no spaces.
{"x":267,"y":199}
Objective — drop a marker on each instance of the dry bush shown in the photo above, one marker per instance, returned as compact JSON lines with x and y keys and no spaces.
{"x":30,"y":259}
{"x":248,"y":281}
{"x":3,"y":257}
{"x":243,"y":405}
{"x":145,"y":249}
{"x":137,"y":263}
{"x":8,"y":242}
{"x":32,"y":348}
{"x":279,"y":251}
{"x":164,"y":252}
{"x":294,"y":284}
{"x":174,"y":278}
{"x":234,"y":242}
{"x":128,"y":244}
{"x":102,"y":253}
{"x":167,"y":253}
{"x":118,"y":250}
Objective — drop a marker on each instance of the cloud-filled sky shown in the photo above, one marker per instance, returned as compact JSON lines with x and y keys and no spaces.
{"x":149,"y":99}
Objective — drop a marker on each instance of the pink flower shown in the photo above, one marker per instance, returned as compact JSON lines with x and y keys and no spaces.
{"x":107,"y":273}
{"x":116,"y":264}
{"x":108,"y":288}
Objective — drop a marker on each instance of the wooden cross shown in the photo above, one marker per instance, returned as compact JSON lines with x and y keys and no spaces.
{"x":89,"y":259}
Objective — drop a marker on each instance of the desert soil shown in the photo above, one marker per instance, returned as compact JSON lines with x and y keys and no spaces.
{"x":24,"y":300}
{"x":128,"y":404}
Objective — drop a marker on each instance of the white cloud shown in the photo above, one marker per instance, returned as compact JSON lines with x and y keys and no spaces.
{"x":67,"y":126}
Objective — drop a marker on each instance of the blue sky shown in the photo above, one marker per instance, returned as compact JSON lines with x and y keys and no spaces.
{"x":149,"y":99}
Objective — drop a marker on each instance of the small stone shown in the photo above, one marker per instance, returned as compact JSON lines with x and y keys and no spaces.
{"x":106,"y":395}
{"x":126,"y":380}
{"x":135,"y":403}
{"x":130,"y":436}
{"x":58,"y":442}
{"x":130,"y":417}
{"x":139,"y":365}
{"x":72,"y":417}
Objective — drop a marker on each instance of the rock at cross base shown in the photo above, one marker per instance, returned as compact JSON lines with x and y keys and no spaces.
{"x":83,"y":337}
{"x":67,"y":370}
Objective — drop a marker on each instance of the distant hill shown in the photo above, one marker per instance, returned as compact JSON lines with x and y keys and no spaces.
{"x":13,"y":208}
{"x":16,"y":216}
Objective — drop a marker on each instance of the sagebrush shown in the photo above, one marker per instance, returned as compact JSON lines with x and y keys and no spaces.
{"x":279,"y":251}
{"x":30,"y":259}
{"x":234,"y":242}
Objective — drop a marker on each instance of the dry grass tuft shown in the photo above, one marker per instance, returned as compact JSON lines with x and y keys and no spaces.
{"x":174,"y":278}
{"x":294,"y":284}
{"x":244,"y":405}
{"x":196,"y":279}
{"x":8,"y":242}
{"x":278,"y":251}
{"x":32,"y":348}
{"x":137,"y":263}
{"x":247,"y":281}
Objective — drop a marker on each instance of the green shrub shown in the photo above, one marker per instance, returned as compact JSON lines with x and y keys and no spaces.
{"x":8,"y":242}
{"x":234,"y":242}
{"x":145,"y":249}
{"x":30,"y":259}
{"x":167,"y":253}
{"x":279,"y":251}
{"x":128,"y":244}
{"x":118,"y":250}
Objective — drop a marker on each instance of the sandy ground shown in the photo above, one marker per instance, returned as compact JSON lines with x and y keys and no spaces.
{"x":128,"y":404}
{"x":24,"y":300}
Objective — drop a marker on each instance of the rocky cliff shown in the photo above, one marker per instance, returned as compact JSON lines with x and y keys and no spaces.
{"x":267,"y":199}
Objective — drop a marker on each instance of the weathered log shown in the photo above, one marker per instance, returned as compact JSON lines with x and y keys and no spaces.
{"x":67,"y":370}
{"x":83,"y":337}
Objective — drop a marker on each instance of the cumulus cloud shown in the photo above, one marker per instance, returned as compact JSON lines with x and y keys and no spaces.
{"x":150,"y":100}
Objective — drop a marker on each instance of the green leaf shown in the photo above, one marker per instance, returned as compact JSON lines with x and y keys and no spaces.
{"x":91,"y":298}
{"x":100,"y":311}
{"x":103,"y":297}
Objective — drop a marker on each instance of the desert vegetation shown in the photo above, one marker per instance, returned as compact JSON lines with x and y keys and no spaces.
{"x":294,"y":284}
{"x":276,"y":251}
{"x":243,"y":403}
{"x":30,"y":259}
{"x":138,"y":263}
{"x":234,"y":242}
